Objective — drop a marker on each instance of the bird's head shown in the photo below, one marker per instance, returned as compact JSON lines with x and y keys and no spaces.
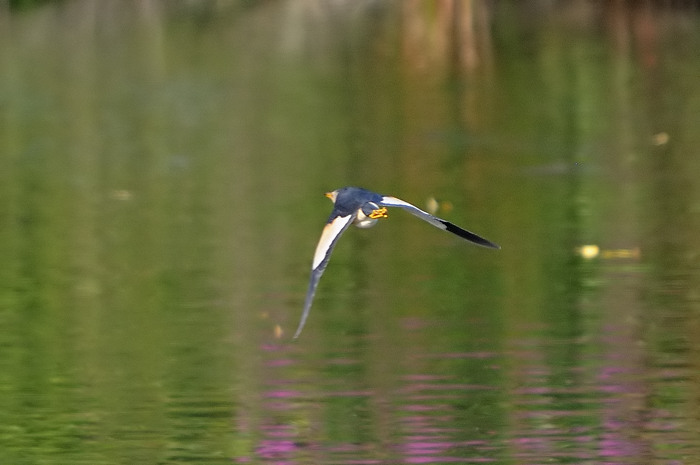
{"x":332,"y":195}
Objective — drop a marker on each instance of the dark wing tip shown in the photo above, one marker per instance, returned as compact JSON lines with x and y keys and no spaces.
{"x":470,"y":236}
{"x":437,"y":222}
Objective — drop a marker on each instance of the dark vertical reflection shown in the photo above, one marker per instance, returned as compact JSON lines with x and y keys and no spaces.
{"x":161,"y":180}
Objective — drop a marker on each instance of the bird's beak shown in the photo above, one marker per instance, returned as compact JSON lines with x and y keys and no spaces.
{"x":331,"y":195}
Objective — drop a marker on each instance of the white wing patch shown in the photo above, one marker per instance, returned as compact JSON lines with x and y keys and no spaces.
{"x":394,"y":202}
{"x":328,"y":236}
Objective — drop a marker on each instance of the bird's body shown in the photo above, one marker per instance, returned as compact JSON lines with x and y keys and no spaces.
{"x":364,"y":208}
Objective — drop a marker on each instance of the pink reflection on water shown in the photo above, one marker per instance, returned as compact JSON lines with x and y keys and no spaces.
{"x":592,"y":412}
{"x":279,"y":363}
{"x":342,"y":361}
{"x":429,"y":424}
{"x":413,"y":324}
{"x":278,"y":443}
{"x":273,"y":438}
{"x":423,"y":377}
{"x":283,"y":394}
{"x":447,"y":459}
{"x":597,"y":410}
{"x":366,"y":393}
{"x":362,"y":461}
{"x":465,"y":355}
{"x":447,"y":387}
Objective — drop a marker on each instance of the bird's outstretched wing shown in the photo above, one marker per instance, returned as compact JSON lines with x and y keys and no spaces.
{"x":389,"y":201}
{"x":331,"y":232}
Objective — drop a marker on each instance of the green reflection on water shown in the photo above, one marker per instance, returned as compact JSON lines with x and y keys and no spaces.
{"x":161,"y":183}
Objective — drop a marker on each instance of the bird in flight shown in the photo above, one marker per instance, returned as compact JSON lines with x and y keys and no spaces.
{"x":365,"y":208}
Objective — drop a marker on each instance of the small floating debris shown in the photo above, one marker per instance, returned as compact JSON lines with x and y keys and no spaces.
{"x":121,"y":194}
{"x":660,"y":138}
{"x":433,"y":205}
{"x":588,"y":252}
{"x":622,"y":253}
{"x":591,"y":251}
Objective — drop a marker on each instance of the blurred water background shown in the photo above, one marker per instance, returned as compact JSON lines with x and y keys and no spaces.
{"x":162,"y":170}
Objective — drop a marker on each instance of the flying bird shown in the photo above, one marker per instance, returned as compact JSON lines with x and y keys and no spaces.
{"x":365,"y":208}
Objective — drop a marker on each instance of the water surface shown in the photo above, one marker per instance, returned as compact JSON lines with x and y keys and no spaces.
{"x":162,"y":174}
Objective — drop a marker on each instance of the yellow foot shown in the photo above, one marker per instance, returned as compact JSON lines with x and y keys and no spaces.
{"x":379,"y":213}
